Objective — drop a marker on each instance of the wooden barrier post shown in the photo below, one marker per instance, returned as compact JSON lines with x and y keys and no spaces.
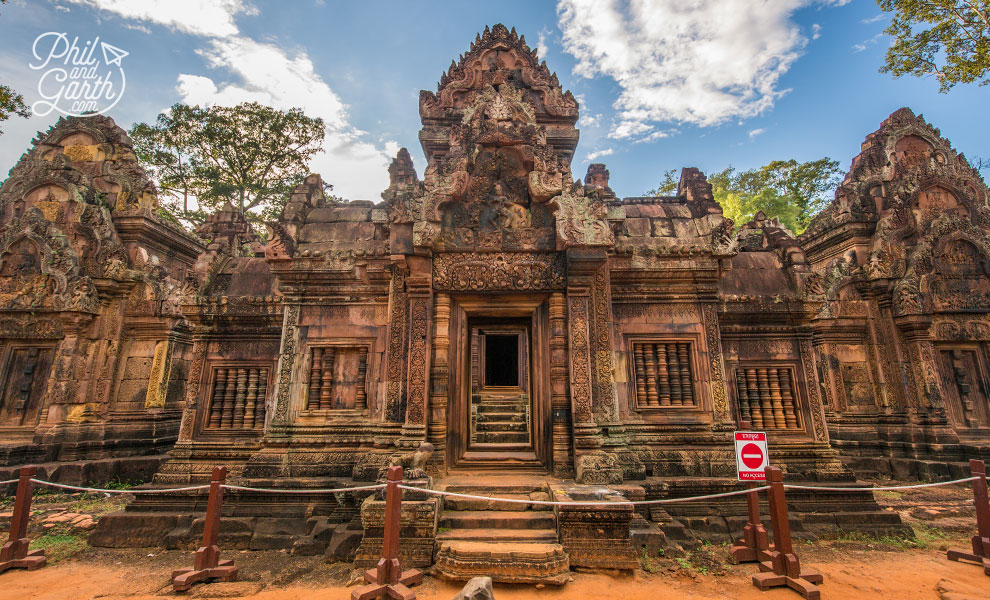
{"x":388,"y":579}
{"x":207,"y":564}
{"x":981,"y":541}
{"x":784,"y":567}
{"x":754,"y":546}
{"x":15,"y":553}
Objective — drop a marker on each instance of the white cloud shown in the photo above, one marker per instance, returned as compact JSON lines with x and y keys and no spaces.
{"x":267,"y":74}
{"x":137,"y":27}
{"x":656,"y":135}
{"x":703,"y":62}
{"x":589,"y":120}
{"x":867,"y":43}
{"x":874,"y":18}
{"x":198,"y":17}
{"x":816,"y":31}
{"x":598,"y":154}
{"x":756,"y":132}
{"x":541,"y":43}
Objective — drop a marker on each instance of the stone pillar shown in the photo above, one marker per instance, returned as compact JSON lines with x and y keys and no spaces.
{"x":440,"y":373}
{"x":395,"y":370}
{"x":193,"y":379}
{"x":816,"y":409}
{"x":713,"y":337}
{"x":161,"y":369}
{"x":65,"y":393}
{"x":592,"y":465}
{"x":928,"y":401}
{"x":563,"y":464}
{"x":605,"y":401}
{"x":419,"y":285}
{"x":280,"y":413}
{"x":106,"y":354}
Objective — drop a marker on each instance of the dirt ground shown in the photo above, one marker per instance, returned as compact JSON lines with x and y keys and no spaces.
{"x":853,"y":566}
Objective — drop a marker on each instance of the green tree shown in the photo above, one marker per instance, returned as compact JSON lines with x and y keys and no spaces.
{"x":11,"y":103}
{"x":667,"y":187}
{"x":786,"y":189}
{"x":250,"y":155}
{"x":949,"y":39}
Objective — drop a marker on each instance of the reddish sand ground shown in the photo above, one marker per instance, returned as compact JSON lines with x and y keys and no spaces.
{"x":859,"y":572}
{"x":854,"y":567}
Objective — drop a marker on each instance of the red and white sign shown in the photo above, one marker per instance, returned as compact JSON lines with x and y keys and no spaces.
{"x":751,"y":455}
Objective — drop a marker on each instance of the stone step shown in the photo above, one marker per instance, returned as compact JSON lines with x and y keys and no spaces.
{"x":518,"y":408}
{"x":509,"y":437}
{"x":504,"y":562}
{"x":515,"y":417}
{"x":454,"y":503}
{"x":482,"y":482}
{"x":501,"y":426}
{"x":500,"y":456}
{"x":497,"y":519}
{"x":532,"y":536}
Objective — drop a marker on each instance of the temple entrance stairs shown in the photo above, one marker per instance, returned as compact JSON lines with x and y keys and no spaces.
{"x":509,"y":542}
{"x":502,"y":420}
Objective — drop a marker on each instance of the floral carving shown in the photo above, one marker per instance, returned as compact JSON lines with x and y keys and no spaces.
{"x":498,"y":271}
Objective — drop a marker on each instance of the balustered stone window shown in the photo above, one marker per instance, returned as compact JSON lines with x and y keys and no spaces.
{"x":337,"y":378}
{"x":663,"y":375}
{"x":237,"y":399}
{"x":767,"y":397}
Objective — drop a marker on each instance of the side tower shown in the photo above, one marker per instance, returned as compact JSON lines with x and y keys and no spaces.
{"x":93,"y":351}
{"x":903,"y":335}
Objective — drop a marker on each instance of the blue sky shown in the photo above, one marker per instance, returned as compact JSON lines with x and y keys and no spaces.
{"x":662,"y":84}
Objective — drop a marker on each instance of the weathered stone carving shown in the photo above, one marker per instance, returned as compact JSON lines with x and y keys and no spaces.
{"x":498,"y":271}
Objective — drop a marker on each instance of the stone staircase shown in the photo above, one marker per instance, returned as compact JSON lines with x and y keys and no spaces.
{"x":509,"y":542}
{"x":501,"y":420}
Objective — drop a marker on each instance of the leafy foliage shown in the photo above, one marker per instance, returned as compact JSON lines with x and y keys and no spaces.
{"x":787,"y":189}
{"x":949,"y":39}
{"x":668,"y":186}
{"x":11,"y":103}
{"x":249,"y":155}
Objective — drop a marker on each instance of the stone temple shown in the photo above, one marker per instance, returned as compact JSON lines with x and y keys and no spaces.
{"x":499,"y":327}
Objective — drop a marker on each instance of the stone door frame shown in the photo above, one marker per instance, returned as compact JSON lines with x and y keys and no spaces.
{"x":455,"y":429}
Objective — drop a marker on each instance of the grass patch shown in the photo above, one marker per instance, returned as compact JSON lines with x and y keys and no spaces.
{"x":97,"y":504}
{"x":927,"y":536}
{"x":924,"y":537}
{"x":59,"y":546}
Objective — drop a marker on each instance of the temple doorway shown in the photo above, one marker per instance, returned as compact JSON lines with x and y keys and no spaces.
{"x":499,"y":391}
{"x":500,"y":394}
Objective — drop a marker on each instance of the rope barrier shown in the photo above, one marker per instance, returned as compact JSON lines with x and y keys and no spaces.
{"x":105,"y":491}
{"x":304,"y":491}
{"x":490,"y":498}
{"x":880,"y":488}
{"x":577,"y":503}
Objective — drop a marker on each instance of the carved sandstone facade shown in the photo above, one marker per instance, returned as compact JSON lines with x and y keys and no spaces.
{"x":93,"y":349}
{"x":516,"y":318}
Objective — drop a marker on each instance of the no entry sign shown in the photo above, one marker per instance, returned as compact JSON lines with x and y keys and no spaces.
{"x":751,"y":455}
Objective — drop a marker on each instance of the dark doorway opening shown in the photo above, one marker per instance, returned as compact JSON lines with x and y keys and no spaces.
{"x":501,"y":360}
